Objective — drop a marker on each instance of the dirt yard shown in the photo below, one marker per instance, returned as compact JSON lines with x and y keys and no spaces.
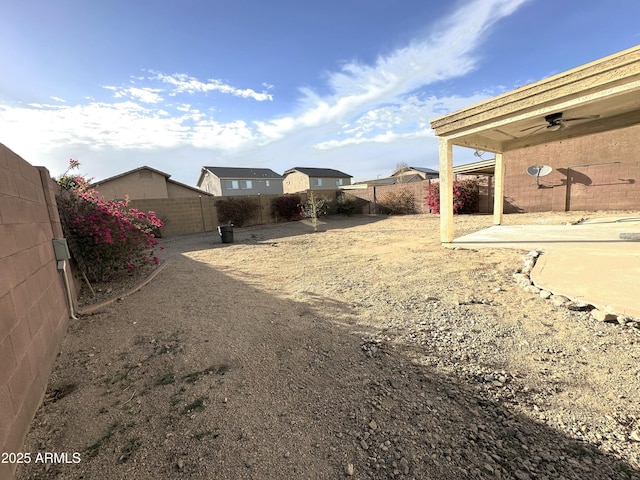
{"x":363,"y":351}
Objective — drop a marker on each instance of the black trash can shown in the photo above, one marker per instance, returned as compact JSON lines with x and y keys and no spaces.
{"x":226,"y":233}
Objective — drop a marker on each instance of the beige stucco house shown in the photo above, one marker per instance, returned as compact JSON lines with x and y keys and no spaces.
{"x":143,"y":183}
{"x":408,"y":174}
{"x":301,"y":179}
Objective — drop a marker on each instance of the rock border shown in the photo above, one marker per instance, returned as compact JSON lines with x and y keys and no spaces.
{"x":522,"y":277}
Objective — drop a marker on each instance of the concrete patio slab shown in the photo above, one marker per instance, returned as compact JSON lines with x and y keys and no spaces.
{"x":597,"y":262}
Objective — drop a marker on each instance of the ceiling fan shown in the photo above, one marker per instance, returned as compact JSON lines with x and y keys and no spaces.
{"x":555,"y":122}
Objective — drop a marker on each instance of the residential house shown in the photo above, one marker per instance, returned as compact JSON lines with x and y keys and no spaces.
{"x":300,"y":179}
{"x":143,"y":183}
{"x":414,"y":174}
{"x":234,"y":181}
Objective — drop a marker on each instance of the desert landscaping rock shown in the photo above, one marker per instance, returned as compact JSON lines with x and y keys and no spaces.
{"x":602,"y":316}
{"x":367,"y":351}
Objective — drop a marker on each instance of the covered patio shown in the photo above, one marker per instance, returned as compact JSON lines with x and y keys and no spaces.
{"x":598,"y":263}
{"x":604,"y":95}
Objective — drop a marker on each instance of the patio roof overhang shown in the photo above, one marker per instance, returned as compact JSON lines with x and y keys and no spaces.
{"x":609,"y":88}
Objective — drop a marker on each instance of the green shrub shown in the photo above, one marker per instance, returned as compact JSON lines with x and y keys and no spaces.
{"x":286,"y":207}
{"x":236,"y":211}
{"x":398,"y":203}
{"x":345,"y":205}
{"x":466,"y":197}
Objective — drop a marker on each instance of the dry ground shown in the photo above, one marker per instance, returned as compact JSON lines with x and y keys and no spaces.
{"x":365,"y":351}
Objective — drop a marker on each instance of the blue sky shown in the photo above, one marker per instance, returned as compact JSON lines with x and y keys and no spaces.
{"x":348,"y":84}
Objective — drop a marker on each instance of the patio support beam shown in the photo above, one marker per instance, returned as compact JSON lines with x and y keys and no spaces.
{"x":498,"y":192}
{"x":446,"y":190}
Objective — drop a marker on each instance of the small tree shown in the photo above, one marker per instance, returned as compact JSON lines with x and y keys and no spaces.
{"x":314,"y":208}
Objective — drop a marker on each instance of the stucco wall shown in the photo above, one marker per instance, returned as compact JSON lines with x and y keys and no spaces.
{"x":295,"y":182}
{"x":177,"y":191}
{"x":584,"y":176}
{"x":211,"y":184}
{"x":137,"y":185}
{"x":33,"y":307}
{"x":258,"y":186}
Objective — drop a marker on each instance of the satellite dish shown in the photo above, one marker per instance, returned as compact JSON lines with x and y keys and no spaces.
{"x":539,"y":171}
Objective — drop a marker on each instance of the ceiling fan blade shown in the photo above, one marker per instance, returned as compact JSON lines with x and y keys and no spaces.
{"x":535,"y":126}
{"x":586,"y":117}
{"x":540,"y":127}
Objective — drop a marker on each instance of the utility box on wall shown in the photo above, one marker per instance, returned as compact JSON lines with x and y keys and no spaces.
{"x":61,"y":249}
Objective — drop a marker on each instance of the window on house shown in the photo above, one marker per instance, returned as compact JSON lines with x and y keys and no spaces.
{"x":246,"y":184}
{"x":267,"y":183}
{"x":317,"y":182}
{"x":339,"y":181}
{"x":232,"y":184}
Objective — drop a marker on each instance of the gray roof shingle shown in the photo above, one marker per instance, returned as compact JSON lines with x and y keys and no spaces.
{"x":240,"y":172}
{"x":319,"y":172}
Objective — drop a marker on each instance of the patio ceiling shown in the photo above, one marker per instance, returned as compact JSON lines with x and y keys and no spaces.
{"x":608,"y":89}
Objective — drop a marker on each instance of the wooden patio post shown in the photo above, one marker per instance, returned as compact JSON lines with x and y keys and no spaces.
{"x":498,"y":190}
{"x":446,"y":190}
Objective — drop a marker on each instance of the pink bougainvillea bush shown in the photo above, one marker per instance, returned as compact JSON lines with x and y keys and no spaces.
{"x":466,"y":197}
{"x":106,"y":237}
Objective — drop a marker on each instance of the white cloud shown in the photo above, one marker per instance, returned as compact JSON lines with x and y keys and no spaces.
{"x":357,"y":88}
{"x":373,"y":112}
{"x":144,"y":95}
{"x":58,"y":99}
{"x":183,"y":83}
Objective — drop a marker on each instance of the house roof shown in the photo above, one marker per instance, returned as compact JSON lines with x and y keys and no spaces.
{"x":392,"y":180}
{"x":483,"y":167}
{"x":428,"y":171}
{"x":241,"y":172}
{"x":144,"y":167}
{"x":129,"y":172}
{"x":319,"y":172}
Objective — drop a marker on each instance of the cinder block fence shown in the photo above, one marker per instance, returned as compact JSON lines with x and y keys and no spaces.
{"x":33,"y":301}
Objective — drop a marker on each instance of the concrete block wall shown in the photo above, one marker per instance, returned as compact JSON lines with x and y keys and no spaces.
{"x":596,"y":172}
{"x":181,"y":215}
{"x":199,"y":214}
{"x":33,"y":307}
{"x":373,"y":196}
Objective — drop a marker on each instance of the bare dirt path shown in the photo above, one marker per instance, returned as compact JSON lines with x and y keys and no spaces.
{"x":362,"y":351}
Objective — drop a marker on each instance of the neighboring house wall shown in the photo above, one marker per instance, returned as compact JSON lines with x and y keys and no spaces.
{"x":175,"y":190}
{"x":583,"y":177}
{"x":211,"y":184}
{"x":239,"y":186}
{"x":250,"y":186}
{"x":296,"y":182}
{"x":33,"y":305}
{"x":328,"y":183}
{"x":138,"y":184}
